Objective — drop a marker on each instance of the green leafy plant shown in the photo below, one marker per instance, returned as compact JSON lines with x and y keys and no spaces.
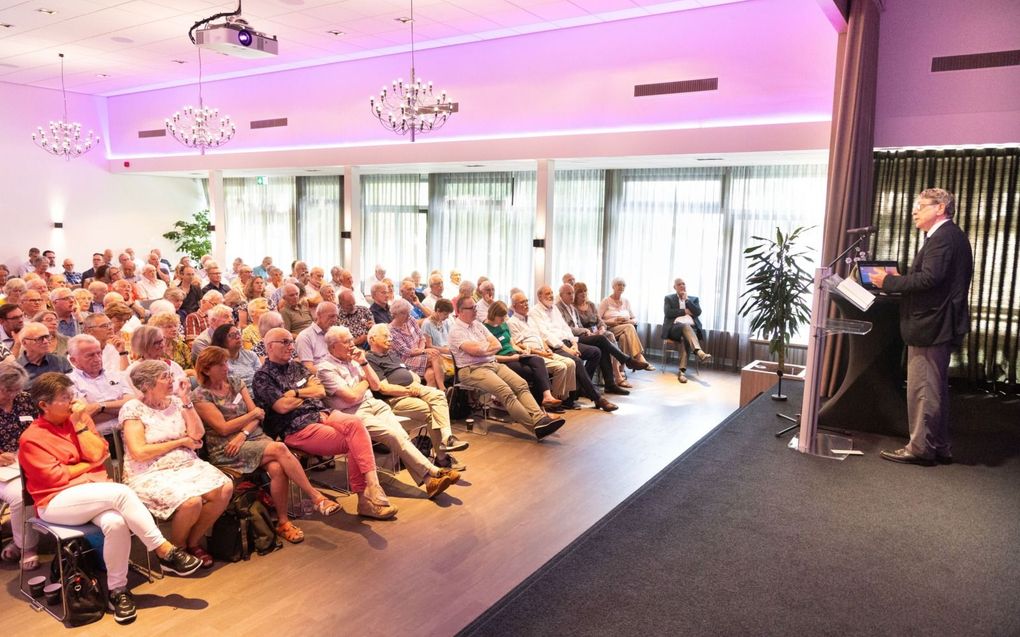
{"x":192,"y":237}
{"x":774,"y":299}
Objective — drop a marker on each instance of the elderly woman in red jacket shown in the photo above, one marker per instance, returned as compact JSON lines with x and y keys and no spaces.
{"x":62,"y":456}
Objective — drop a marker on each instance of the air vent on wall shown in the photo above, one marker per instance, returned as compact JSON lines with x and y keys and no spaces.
{"x":682,"y":86}
{"x":158,"y":132}
{"x":268,"y":123}
{"x":975,"y":61}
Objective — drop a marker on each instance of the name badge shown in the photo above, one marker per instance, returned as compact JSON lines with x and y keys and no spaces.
{"x":238,"y":398}
{"x":25,"y":418}
{"x":301,"y":383}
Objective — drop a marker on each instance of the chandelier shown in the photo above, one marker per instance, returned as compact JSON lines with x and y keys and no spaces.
{"x":412,"y":107}
{"x":200,"y":127}
{"x":64,"y":138}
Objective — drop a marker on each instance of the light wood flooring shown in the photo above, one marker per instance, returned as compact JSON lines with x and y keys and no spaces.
{"x":440,"y":563}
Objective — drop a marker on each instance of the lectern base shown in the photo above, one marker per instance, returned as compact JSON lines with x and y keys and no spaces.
{"x":825,"y":444}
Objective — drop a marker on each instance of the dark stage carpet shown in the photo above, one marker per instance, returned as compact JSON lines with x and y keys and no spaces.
{"x":742,"y":536}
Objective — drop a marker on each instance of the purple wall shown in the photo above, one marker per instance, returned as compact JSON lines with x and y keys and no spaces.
{"x":916,"y":107}
{"x":774,"y":59}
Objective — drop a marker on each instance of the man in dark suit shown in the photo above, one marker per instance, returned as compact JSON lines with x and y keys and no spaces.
{"x":683,"y":325}
{"x":933,"y":320}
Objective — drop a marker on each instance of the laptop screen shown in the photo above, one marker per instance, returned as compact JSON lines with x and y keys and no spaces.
{"x":865,"y":269}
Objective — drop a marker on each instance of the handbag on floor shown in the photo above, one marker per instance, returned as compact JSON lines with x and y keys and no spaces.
{"x":423,"y":442}
{"x":85,"y":600}
{"x":244,"y":528}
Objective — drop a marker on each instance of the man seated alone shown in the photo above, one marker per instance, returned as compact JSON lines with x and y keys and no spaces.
{"x":474,"y":350}
{"x":349,"y":383}
{"x":683,"y":325}
{"x":292,"y":399}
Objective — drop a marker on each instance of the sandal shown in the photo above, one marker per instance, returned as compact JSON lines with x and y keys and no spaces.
{"x":289,"y":532}
{"x":326,"y":506}
{"x":201,"y":555}
{"x":10,"y":553}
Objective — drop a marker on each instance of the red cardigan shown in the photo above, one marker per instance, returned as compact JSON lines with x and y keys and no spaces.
{"x":45,"y":451}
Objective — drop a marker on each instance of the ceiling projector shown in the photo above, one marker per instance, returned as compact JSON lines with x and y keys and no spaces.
{"x":236,"y":38}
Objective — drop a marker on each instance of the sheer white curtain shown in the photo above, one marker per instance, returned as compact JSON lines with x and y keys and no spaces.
{"x":663,"y":223}
{"x":579,"y":205}
{"x":393,"y":229}
{"x":483,"y":224}
{"x":318,"y":220}
{"x":761,"y":198}
{"x":259,"y":220}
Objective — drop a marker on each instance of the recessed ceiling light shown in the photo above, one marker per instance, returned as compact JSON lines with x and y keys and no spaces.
{"x":46,"y":11}
{"x":404,"y":19}
{"x":335,"y":32}
{"x":179,"y":61}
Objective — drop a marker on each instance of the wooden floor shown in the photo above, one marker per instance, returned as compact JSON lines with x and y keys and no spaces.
{"x":440,"y":563}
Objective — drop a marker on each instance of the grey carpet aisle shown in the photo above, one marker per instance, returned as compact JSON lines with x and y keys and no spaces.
{"x":742,"y":536}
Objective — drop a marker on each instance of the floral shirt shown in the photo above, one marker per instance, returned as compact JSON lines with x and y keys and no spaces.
{"x":271,"y":382}
{"x":358,"y":322}
{"x":13,"y":422}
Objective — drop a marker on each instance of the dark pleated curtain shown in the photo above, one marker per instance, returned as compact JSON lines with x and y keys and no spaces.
{"x":985,"y":182}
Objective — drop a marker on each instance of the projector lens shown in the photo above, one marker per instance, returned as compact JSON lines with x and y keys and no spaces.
{"x":244,"y":37}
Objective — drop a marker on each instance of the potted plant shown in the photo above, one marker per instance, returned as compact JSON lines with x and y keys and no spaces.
{"x":774,"y":299}
{"x":192,"y":237}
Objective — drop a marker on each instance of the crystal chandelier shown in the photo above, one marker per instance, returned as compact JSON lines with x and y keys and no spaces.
{"x":412,"y":107}
{"x":200,"y":127}
{"x":64,"y":138}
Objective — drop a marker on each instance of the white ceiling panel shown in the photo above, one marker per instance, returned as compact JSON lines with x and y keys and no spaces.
{"x":135,"y":41}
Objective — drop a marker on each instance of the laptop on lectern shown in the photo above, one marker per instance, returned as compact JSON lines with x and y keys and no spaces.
{"x":865,"y":270}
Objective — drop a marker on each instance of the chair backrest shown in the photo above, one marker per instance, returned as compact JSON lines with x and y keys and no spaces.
{"x":26,"y":497}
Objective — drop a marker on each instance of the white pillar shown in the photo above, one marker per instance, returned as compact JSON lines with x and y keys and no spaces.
{"x":351,"y":221}
{"x":217,"y":217}
{"x":544,"y":187}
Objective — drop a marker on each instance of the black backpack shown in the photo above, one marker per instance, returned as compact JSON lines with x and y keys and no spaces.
{"x":460,"y":404}
{"x":85,"y":601}
{"x":245,"y":527}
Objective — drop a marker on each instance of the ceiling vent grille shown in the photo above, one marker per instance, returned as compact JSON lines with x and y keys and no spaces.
{"x":268,"y":123}
{"x":682,"y":86}
{"x":975,"y":61}
{"x":158,"y":132}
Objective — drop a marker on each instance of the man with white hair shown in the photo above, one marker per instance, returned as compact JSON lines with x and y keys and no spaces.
{"x":435,"y":292}
{"x":474,"y":350}
{"x":418,"y":311}
{"x":346,"y":280}
{"x":407,"y":396}
{"x":262,"y":269}
{"x":380,"y":307}
{"x":486,"y":297}
{"x":311,"y":342}
{"x":220,"y":314}
{"x":215,"y":276}
{"x":115,"y":354}
{"x":561,"y":341}
{"x":295,"y":413}
{"x":294,"y":309}
{"x":150,"y":286}
{"x":562,"y":374}
{"x":349,"y":383}
{"x":72,"y":277}
{"x":35,"y":356}
{"x":105,"y":393}
{"x":197,"y":322}
{"x":69,"y":319}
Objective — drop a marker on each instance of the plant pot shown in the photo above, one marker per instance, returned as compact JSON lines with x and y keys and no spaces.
{"x":758,"y":376}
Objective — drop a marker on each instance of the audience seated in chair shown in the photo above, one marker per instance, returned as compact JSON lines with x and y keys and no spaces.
{"x":534,"y":368}
{"x":16,"y":412}
{"x":292,"y":399}
{"x":235,"y":439}
{"x":410,"y":346}
{"x":615,"y":312}
{"x":474,"y":350}
{"x":350,"y":380}
{"x":161,"y":433}
{"x":241,"y":363}
{"x":62,"y":457}
{"x":606,"y":342}
{"x":683,"y":325}
{"x":558,"y":338}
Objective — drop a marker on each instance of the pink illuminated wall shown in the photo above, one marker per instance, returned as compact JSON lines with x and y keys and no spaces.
{"x":916,"y":107}
{"x":774,"y":59}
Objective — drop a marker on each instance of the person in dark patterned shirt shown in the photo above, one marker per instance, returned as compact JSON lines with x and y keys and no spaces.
{"x":356,"y":318}
{"x":292,"y":399}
